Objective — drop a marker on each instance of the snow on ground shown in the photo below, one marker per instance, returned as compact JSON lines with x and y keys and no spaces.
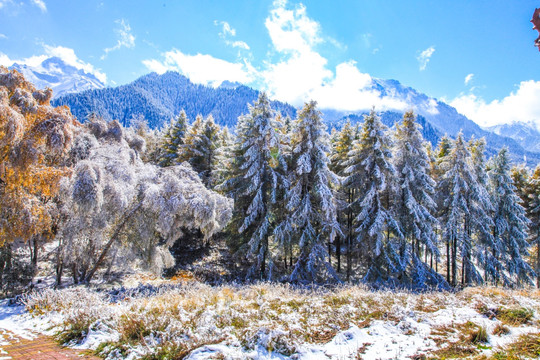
{"x":269,"y":321}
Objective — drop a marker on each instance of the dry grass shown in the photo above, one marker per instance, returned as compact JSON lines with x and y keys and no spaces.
{"x":525,"y":347}
{"x":277,"y":317}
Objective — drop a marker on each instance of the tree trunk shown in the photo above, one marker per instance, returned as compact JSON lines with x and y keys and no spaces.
{"x":338,"y":253}
{"x":114,"y":237}
{"x":448,"y":261}
{"x":59,"y":263}
{"x":538,"y":260}
{"x":75,"y":273}
{"x":454,"y":262}
{"x":34,"y":254}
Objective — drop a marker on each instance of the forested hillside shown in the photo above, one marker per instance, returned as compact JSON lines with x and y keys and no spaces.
{"x":159,"y":98}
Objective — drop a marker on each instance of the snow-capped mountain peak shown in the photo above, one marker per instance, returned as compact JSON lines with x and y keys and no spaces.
{"x":61,"y":77}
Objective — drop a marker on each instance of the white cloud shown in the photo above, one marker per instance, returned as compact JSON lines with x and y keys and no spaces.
{"x":424,"y":57}
{"x":40,"y":4}
{"x":350,"y":90}
{"x":66,"y":54}
{"x":202,"y":69}
{"x":238,"y":44}
{"x":521,"y":105}
{"x":292,"y":30}
{"x":125,"y":38}
{"x":227,"y":31}
{"x":295,"y":71}
{"x":302,"y":73}
{"x":301,"y":70}
{"x":468,"y":79}
{"x":3,"y":36}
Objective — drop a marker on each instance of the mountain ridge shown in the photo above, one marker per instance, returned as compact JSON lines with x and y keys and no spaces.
{"x":159,"y":98}
{"x":61,"y":77}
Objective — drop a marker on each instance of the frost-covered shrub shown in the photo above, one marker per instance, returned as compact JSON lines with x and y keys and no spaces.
{"x":120,"y":211}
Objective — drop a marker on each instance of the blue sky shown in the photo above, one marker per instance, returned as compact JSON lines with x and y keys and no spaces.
{"x":476,"y":55}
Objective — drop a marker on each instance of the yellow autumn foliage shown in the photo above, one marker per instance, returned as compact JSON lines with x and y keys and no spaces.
{"x":34,"y":138}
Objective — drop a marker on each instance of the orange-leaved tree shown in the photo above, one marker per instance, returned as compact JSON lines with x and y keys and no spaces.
{"x":34,"y":137}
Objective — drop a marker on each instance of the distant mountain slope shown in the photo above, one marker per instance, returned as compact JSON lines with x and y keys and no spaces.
{"x":161,"y":97}
{"x":527,"y":136}
{"x":389,"y":118}
{"x":441,"y":118}
{"x":59,"y":76}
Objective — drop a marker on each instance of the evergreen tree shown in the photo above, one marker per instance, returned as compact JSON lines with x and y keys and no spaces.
{"x":464,"y":212}
{"x":415,"y":205}
{"x":442,"y":192}
{"x":342,"y":144}
{"x":310,"y":199}
{"x":224,"y":157}
{"x":533,"y":210}
{"x":173,"y":140}
{"x":259,"y":171}
{"x":510,"y":222}
{"x":370,"y":176}
{"x":200,"y":145}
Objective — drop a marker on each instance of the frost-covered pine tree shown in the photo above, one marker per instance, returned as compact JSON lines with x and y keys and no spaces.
{"x":260,"y":165}
{"x":534,"y":215}
{"x":479,"y":223}
{"x":414,"y":204}
{"x":173,"y":140}
{"x":510,"y":224}
{"x":342,"y":144}
{"x":200,"y":147}
{"x":224,"y":157}
{"x":442,"y":192}
{"x":464,"y":212}
{"x":370,"y":175}
{"x":310,"y":198}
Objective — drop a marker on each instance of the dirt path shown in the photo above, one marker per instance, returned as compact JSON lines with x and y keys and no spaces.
{"x":40,"y":348}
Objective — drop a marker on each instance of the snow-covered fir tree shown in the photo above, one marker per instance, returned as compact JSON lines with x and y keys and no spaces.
{"x":414,"y":204}
{"x":479,"y":223}
{"x":224,"y":157}
{"x":510,"y":224}
{"x":371,"y":175}
{"x":200,"y":145}
{"x":533,"y":210}
{"x":310,"y":198}
{"x":442,"y":192}
{"x":260,"y":165}
{"x":342,"y":144}
{"x":463,"y":212}
{"x":173,"y":140}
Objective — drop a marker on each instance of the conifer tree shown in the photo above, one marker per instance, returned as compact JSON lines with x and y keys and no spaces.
{"x":173,"y":140}
{"x":442,"y":192}
{"x":464,"y":212}
{"x":533,"y":210}
{"x":415,"y":205}
{"x":370,"y":175}
{"x":342,"y":144}
{"x":510,"y":223}
{"x":259,"y":174}
{"x":199,"y":148}
{"x":310,"y":198}
{"x":224,"y":158}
